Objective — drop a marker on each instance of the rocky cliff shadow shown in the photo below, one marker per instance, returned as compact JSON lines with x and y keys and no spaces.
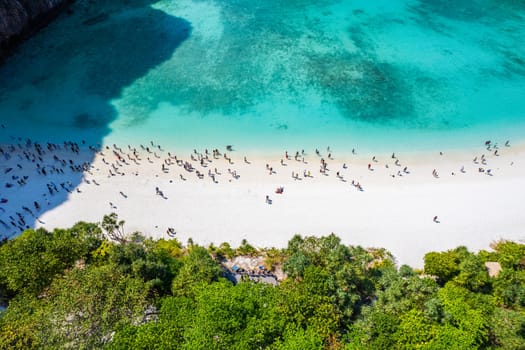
{"x":59,"y":86}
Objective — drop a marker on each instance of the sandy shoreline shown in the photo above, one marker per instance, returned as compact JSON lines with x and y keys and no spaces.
{"x":395,"y":210}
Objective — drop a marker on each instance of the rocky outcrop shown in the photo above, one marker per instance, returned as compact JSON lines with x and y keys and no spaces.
{"x":22,"y":18}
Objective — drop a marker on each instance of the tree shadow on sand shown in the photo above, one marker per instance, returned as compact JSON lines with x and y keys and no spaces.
{"x":59,"y":86}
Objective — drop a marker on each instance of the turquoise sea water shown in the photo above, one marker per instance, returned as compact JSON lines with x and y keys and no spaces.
{"x":272,"y":75}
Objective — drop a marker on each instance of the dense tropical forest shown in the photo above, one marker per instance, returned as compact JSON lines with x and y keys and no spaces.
{"x":93,"y":286}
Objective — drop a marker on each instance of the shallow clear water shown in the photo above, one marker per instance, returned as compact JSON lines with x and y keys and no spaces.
{"x":269,"y":75}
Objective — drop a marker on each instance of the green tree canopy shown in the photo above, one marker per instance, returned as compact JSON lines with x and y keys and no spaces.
{"x":31,"y":261}
{"x":198,"y":268}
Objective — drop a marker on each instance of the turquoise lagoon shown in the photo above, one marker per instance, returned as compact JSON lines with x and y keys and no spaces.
{"x":272,"y":75}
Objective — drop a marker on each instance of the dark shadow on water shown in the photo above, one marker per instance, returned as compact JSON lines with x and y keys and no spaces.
{"x":59,"y":86}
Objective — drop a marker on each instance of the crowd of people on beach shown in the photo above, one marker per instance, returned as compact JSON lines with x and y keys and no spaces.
{"x":57,"y":170}
{"x":21,"y":163}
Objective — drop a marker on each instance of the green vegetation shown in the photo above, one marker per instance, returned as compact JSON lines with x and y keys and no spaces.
{"x":75,"y":288}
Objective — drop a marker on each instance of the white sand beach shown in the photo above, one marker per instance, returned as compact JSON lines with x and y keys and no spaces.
{"x":395,"y":209}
